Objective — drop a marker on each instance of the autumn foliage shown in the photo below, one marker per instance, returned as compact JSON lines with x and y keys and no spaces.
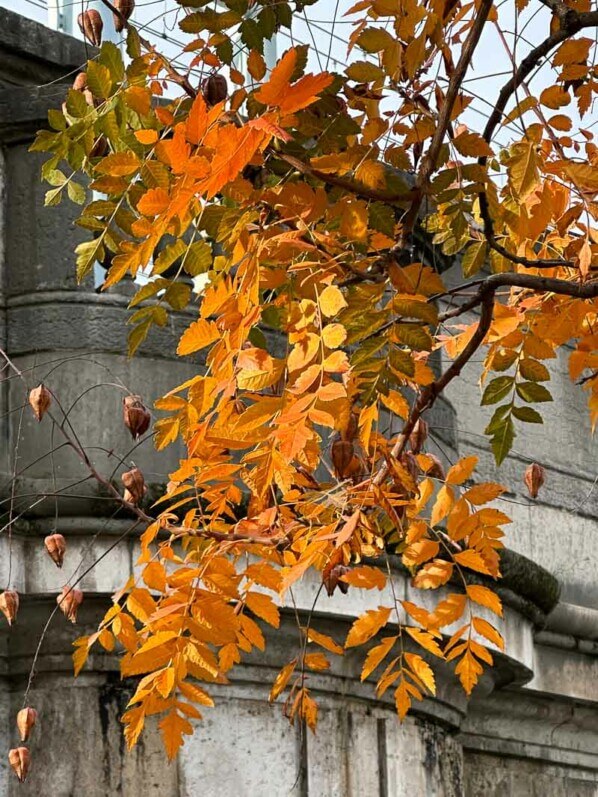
{"x":306,"y":208}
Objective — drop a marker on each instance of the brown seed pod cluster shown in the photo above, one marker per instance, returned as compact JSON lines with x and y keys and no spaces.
{"x":56,"y":548}
{"x":214,"y":89}
{"x":125,"y":9}
{"x":331,"y":579}
{"x":40,"y":400}
{"x":135,"y":487}
{"x":91,"y":26}
{"x":136,"y":416}
{"x":26,"y":719}
{"x":69,"y":601}
{"x":534,"y":478}
{"x":19,"y":759}
{"x":418,"y":436}
{"x":9,"y":605}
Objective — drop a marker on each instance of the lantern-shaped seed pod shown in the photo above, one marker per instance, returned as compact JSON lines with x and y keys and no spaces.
{"x":214,"y":89}
{"x":56,"y":548}
{"x":331,"y":579}
{"x":342,"y":455}
{"x":534,"y":478}
{"x":135,"y":487}
{"x":40,"y":399}
{"x":69,"y":601}
{"x":19,"y":759}
{"x":26,"y":719}
{"x":418,"y":436}
{"x":9,"y":605}
{"x":125,"y":9}
{"x":80,"y":82}
{"x":91,"y":26}
{"x":136,"y":416}
{"x":436,"y":471}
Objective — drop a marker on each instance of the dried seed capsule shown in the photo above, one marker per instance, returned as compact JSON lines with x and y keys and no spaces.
{"x":436,"y":471}
{"x":26,"y":719}
{"x":135,"y":487}
{"x":40,"y":399}
{"x":214,"y":89}
{"x":69,"y":601}
{"x":331,"y":579}
{"x":80,"y":82}
{"x":100,"y":148}
{"x":342,"y":455}
{"x":126,"y":8}
{"x":19,"y":759}
{"x":91,"y":26}
{"x":534,"y":478}
{"x":136,"y":416}
{"x":9,"y":605}
{"x":56,"y":547}
{"x":418,"y":436}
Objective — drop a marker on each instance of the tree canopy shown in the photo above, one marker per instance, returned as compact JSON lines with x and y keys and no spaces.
{"x":310,"y":218}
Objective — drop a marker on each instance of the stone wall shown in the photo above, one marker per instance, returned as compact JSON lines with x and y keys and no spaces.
{"x":530,"y":729}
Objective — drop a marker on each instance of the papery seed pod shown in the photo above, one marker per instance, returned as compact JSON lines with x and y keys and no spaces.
{"x":56,"y":547}
{"x":534,"y":478}
{"x":342,"y":452}
{"x":19,"y":759}
{"x":437,"y":469}
{"x":350,"y":433}
{"x":214,"y":89}
{"x":135,"y":485}
{"x":136,"y":416}
{"x":91,"y":26}
{"x":418,"y":436}
{"x":409,"y":462}
{"x":69,"y":601}
{"x":80,"y":82}
{"x":40,"y":399}
{"x":26,"y":719}
{"x":100,"y":147}
{"x":9,"y":605}
{"x":126,"y":8}
{"x":330,"y":579}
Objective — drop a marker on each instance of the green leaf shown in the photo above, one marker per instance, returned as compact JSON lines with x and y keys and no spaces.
{"x":474,"y":258}
{"x":533,"y":370}
{"x":401,"y":361}
{"x":111,"y":58}
{"x":53,"y":197}
{"x":502,"y":440}
{"x":99,"y":79}
{"x":500,"y":413}
{"x":414,"y":336}
{"x":364,"y":72}
{"x":527,"y":415}
{"x":198,"y":259}
{"x":87,"y":254}
{"x":372,"y":40}
{"x":382,"y":218}
{"x":532,"y":392}
{"x":168,"y":256}
{"x":76,"y":104}
{"x":497,"y":389}
{"x":76,"y":193}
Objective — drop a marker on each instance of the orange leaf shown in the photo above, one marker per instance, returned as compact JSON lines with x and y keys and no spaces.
{"x":461,"y":470}
{"x":376,"y":655}
{"x":485,"y":597}
{"x":365,"y":577}
{"x":263,"y":606}
{"x":366,"y":626}
{"x":473,"y":561}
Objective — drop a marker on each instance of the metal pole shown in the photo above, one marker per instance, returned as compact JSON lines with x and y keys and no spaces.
{"x":60,"y":16}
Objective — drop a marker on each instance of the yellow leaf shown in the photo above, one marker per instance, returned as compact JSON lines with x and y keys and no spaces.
{"x":443,"y":505}
{"x":154,"y":576}
{"x":468,"y":670}
{"x":376,"y":655}
{"x":324,"y":641}
{"x":524,"y":176}
{"x":425,"y":639}
{"x":396,"y":403}
{"x":433,"y":574}
{"x":256,"y":66}
{"x":485,"y":597}
{"x":366,"y":626}
{"x":365,"y":577}
{"x":119,"y":164}
{"x":263,"y":606}
{"x":472,"y":145}
{"x":282,"y":680}
{"x":332,"y":301}
{"x":200,"y":334}
{"x":422,"y":670}
{"x":419,"y":552}
{"x":472,"y":560}
{"x":80,"y":654}
{"x":173,"y":726}
{"x":461,"y":470}
{"x":402,"y":700}
{"x":483,"y":493}
{"x":146,"y":136}
{"x":334,"y":335}
{"x":488,"y":631}
{"x":316,"y":661}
